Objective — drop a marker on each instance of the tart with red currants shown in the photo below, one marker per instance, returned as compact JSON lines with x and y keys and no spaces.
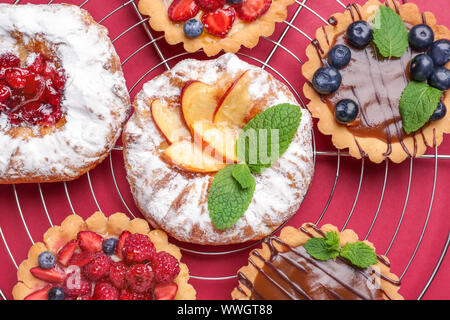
{"x":215,"y":25}
{"x":103,"y":258}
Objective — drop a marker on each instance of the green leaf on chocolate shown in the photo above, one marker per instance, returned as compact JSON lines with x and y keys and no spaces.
{"x":227,"y":199}
{"x":267,"y":136}
{"x":389,"y":33}
{"x":324,"y":248}
{"x":417,"y":104}
{"x":359,"y":254}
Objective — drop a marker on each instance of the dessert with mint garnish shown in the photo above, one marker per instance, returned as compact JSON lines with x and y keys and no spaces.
{"x":378,"y":79}
{"x":103,"y":258}
{"x":218,"y":151}
{"x":312,"y":263}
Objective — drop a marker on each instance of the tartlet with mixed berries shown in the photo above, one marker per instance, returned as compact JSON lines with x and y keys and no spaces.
{"x":215,"y":25}
{"x":103,"y":258}
{"x":181,"y":144}
{"x":63,"y":96}
{"x":378,"y":80}
{"x":312,"y":263}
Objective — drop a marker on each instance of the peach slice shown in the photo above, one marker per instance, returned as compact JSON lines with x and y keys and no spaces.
{"x":187,"y":156}
{"x":235,"y":104}
{"x":169,"y":120}
{"x":198,"y":102}
{"x":217,"y":139}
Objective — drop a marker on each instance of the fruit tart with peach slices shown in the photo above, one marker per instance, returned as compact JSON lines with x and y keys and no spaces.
{"x":218,"y":151}
{"x":63,"y":97}
{"x":215,"y":25}
{"x":378,"y":80}
{"x":312,"y":263}
{"x":103,"y":258}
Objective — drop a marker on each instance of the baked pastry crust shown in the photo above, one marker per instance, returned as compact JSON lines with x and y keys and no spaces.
{"x":96,"y":102}
{"x":242,"y":33}
{"x":175,"y":200}
{"x":56,"y":237}
{"x":295,"y":238}
{"x":431,"y":135}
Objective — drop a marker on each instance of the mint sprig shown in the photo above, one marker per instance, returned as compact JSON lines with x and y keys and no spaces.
{"x":227,"y":199}
{"x":417,"y":104}
{"x":389,"y":33}
{"x":267,"y":136}
{"x":357,"y":253}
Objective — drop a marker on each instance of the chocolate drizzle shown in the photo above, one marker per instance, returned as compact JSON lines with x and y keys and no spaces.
{"x":291,"y":273}
{"x":375,"y":83}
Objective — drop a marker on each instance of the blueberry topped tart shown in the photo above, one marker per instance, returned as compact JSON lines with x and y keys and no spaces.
{"x":378,"y":79}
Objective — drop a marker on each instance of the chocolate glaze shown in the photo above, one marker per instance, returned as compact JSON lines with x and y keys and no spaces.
{"x":376,"y":84}
{"x":293,"y":274}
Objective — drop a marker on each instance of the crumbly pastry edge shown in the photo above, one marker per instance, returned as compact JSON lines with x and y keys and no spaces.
{"x":248,"y":36}
{"x":432,"y":133}
{"x":27,"y":133}
{"x":57,"y":236}
{"x":294,"y":238}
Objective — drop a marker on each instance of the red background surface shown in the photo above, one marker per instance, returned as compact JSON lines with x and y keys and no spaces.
{"x":23,"y":208}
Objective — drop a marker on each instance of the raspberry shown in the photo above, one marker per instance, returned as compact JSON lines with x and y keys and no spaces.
{"x":210,"y":5}
{"x":105,"y":291}
{"x":98,"y":268}
{"x":117,"y":274}
{"x":138,"y":248}
{"x":165,"y":267}
{"x":5,"y":93}
{"x":38,"y":64}
{"x":76,"y":285}
{"x":140,"y":278}
{"x":16,"y":77}
{"x":8,"y":60}
{"x":128,"y":295}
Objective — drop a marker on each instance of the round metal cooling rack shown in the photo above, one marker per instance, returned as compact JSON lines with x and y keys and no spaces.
{"x":277,"y":45}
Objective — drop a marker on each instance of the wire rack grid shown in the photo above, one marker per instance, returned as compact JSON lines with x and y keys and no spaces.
{"x":277,"y":45}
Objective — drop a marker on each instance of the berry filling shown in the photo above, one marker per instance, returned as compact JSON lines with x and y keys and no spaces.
{"x":89,"y":268}
{"x":31,"y":94}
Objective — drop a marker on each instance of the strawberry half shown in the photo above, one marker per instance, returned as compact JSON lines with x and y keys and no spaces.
{"x":250,"y":10}
{"x":121,"y":242}
{"x":53,"y":275}
{"x":210,"y":5}
{"x":90,"y":241}
{"x":165,"y":291}
{"x":82,"y":259}
{"x":66,"y":252}
{"x":182,"y":10}
{"x":41,"y":294}
{"x":219,"y":22}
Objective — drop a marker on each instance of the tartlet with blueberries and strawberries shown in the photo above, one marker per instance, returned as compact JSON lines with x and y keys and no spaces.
{"x":103,"y":258}
{"x":378,"y":80}
{"x":215,"y":25}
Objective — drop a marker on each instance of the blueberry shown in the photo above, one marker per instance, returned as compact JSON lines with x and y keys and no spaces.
{"x":339,"y":56}
{"x":346,"y":111}
{"x":56,"y":293}
{"x":439,"y":113}
{"x":193,"y":28}
{"x":440,"y":52}
{"x":46,"y":260}
{"x":359,"y":34}
{"x":421,"y":37}
{"x":234,"y":1}
{"x":440,"y":78}
{"x":326,"y":80}
{"x":421,"y":67}
{"x":109,"y":245}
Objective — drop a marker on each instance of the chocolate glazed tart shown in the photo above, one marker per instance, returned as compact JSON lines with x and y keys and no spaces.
{"x":376,"y":84}
{"x":283,"y":270}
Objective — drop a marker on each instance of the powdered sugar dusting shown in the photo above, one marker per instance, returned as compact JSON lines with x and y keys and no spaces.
{"x":95,"y":98}
{"x":178,"y":202}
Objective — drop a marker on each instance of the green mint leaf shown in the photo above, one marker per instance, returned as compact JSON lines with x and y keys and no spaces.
{"x":324,"y":248}
{"x":389,"y":33}
{"x":267,"y":136}
{"x":417,"y":104}
{"x":227,"y":200}
{"x":242,"y":174}
{"x":359,"y":254}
